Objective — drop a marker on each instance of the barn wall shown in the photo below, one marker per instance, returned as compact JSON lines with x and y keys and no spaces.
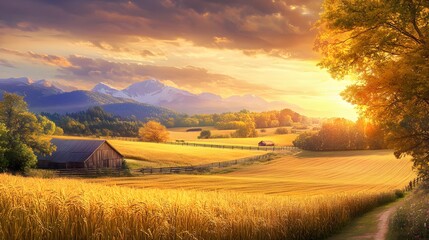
{"x":104,"y":157}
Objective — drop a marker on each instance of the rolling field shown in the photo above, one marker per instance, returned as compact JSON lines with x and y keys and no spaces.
{"x":307,"y":173}
{"x":279,"y":140}
{"x":145,"y":154}
{"x":303,"y":196}
{"x":32,"y":208}
{"x":269,"y":135}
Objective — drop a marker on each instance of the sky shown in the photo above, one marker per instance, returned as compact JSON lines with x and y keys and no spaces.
{"x":227,"y":47}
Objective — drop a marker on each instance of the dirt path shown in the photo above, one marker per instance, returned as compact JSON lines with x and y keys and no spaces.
{"x":383,"y":223}
{"x":373,"y":225}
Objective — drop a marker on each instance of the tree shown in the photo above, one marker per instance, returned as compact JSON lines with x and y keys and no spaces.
{"x":22,"y":137}
{"x":205,"y":134}
{"x":384,"y":46}
{"x":153,"y":132}
{"x":246,"y":129}
{"x":48,"y":127}
{"x":3,"y":148}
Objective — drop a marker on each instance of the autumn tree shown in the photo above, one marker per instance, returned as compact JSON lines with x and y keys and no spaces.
{"x":245,"y":130}
{"x":21,"y":137}
{"x":153,"y":132}
{"x":384,"y":46}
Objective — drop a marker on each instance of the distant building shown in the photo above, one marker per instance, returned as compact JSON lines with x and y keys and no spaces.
{"x":91,"y":154}
{"x":266,"y":143}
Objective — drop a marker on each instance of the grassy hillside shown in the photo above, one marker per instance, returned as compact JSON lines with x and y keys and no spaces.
{"x":70,"y":209}
{"x":156,"y":154}
{"x":308,"y":173}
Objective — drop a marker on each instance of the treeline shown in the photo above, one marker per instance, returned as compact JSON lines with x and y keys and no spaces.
{"x":342,"y":134}
{"x":96,"y":121}
{"x":227,"y":121}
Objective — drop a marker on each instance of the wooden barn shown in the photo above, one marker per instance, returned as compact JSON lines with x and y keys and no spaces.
{"x":89,"y":154}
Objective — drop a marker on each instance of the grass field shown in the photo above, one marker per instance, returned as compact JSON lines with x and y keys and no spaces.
{"x":143,"y":154}
{"x":70,"y":209}
{"x":279,"y":140}
{"x":308,"y":173}
{"x":269,"y":135}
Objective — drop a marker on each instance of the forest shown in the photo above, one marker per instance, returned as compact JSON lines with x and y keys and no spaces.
{"x":96,"y":121}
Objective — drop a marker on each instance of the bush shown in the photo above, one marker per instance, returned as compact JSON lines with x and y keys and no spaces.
{"x":399,"y":193}
{"x":126,"y":167}
{"x":263,"y":130}
{"x":282,"y":131}
{"x":21,"y":158}
{"x":221,"y":136}
{"x":205,"y":134}
{"x":410,"y":221}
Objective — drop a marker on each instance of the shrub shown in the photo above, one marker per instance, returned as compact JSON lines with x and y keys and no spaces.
{"x":399,"y":193}
{"x":221,"y":136}
{"x":411,"y":221}
{"x":205,"y":134}
{"x":282,"y":131}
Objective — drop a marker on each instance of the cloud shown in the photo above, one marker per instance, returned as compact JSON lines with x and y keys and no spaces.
{"x":6,"y":63}
{"x":52,"y":60}
{"x":281,"y":25}
{"x":92,"y":71}
{"x":88,"y":71}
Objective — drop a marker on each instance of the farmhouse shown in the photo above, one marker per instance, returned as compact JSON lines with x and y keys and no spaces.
{"x":81,"y":154}
{"x":266,"y":143}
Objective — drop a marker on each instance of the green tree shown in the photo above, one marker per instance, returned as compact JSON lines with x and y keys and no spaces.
{"x":153,"y":132}
{"x":205,"y":134}
{"x":3,"y":148}
{"x":384,"y":46}
{"x":23,"y":137}
{"x":48,"y":127}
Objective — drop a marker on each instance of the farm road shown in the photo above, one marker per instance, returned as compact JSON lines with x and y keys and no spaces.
{"x":371,"y":226}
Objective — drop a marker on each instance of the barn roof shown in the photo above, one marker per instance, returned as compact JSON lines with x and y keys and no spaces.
{"x":74,"y":150}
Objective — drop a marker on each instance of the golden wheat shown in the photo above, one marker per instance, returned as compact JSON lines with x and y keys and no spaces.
{"x":70,"y":209}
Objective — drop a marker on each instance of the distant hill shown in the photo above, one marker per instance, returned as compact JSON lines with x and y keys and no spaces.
{"x":28,"y":88}
{"x":140,"y":111}
{"x":42,"y":96}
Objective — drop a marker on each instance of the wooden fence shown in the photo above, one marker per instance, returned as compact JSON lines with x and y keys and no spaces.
{"x":202,"y":167}
{"x":79,"y":172}
{"x":238,"y":147}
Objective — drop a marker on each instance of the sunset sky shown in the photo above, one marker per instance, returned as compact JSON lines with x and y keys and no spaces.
{"x":228,"y":47}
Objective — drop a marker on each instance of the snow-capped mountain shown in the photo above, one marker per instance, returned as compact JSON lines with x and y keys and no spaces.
{"x":157,"y":93}
{"x":105,"y":88}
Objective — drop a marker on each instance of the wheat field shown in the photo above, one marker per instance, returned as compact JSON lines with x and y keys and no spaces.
{"x":33,"y":208}
{"x":306,"y":173}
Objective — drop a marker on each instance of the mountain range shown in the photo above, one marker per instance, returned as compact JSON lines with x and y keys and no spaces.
{"x":148,"y":98}
{"x":157,"y":93}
